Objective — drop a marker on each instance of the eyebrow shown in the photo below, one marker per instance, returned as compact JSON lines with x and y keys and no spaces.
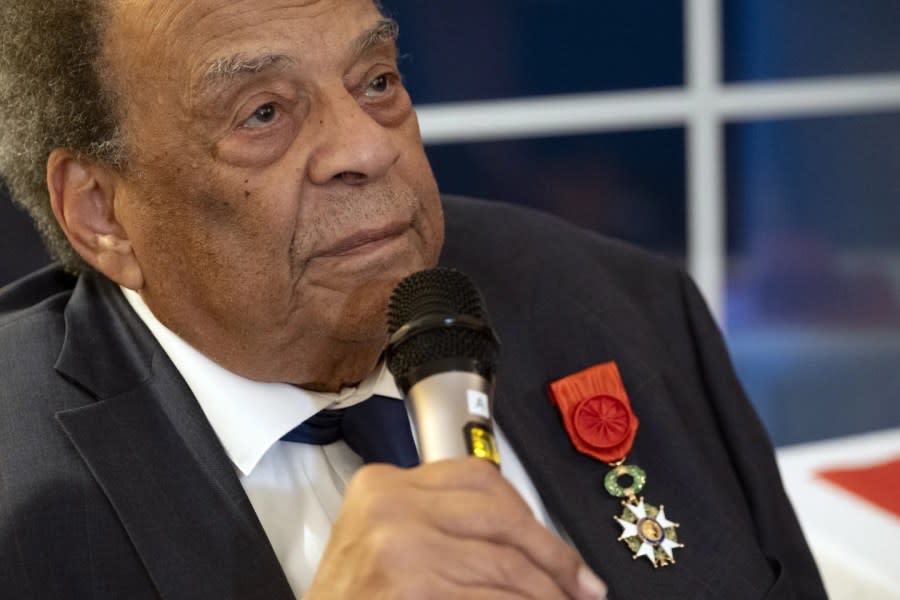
{"x":224,"y":70}
{"x":228,"y":68}
{"x":384,"y":32}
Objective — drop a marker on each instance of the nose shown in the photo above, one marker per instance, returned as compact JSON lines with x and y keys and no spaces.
{"x":351,"y":146}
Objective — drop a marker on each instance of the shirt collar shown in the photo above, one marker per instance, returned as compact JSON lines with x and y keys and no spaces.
{"x":250,"y":416}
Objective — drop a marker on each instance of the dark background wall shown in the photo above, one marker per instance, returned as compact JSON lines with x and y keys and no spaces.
{"x":21,"y":250}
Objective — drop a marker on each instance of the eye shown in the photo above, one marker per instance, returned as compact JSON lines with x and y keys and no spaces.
{"x":262,"y":116}
{"x":378,"y":86}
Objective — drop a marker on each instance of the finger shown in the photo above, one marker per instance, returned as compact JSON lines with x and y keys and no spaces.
{"x":387,"y":490}
{"x":425,"y":588}
{"x":421,"y":551}
{"x":505,"y":567}
{"x":512,"y":525}
{"x":455,"y":592}
{"x":509,"y":523}
{"x":460,"y":473}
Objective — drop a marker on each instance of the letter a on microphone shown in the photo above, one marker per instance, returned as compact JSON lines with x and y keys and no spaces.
{"x":478,"y":404}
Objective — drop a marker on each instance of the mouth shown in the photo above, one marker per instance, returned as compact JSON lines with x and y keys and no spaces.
{"x":364,"y":241}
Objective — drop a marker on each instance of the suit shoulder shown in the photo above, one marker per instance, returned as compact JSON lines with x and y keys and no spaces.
{"x":499,"y":240}
{"x":32,"y":334}
{"x":34,"y":293}
{"x":32,"y":330}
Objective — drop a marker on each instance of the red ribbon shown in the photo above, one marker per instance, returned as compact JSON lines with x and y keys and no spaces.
{"x":596,"y":412}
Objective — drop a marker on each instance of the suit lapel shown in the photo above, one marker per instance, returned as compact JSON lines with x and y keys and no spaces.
{"x":152,"y":451}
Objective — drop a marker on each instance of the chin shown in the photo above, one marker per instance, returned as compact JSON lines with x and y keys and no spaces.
{"x":364,"y":319}
{"x":368,"y":305}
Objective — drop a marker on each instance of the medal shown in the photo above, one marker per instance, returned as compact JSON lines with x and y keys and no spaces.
{"x":645,"y":528}
{"x":598,"y":417}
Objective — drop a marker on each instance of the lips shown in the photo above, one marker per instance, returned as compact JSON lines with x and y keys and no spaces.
{"x":364,"y":240}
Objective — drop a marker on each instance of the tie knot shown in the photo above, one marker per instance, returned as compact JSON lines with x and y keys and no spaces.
{"x":377,"y":429}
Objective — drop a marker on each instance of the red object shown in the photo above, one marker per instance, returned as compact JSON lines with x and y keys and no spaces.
{"x":596,"y":412}
{"x":879,"y":484}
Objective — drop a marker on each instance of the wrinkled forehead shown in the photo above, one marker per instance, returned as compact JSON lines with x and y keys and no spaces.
{"x":181,"y":40}
{"x":187,"y":16}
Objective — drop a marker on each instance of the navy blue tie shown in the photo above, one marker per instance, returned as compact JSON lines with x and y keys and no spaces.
{"x":377,"y":429}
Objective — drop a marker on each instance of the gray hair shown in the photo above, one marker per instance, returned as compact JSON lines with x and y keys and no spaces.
{"x":52,"y":95}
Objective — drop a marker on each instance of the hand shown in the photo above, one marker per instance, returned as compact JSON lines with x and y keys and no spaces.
{"x":451,"y":529}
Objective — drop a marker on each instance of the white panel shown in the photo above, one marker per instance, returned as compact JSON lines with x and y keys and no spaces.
{"x":552,"y":115}
{"x":705,"y":194}
{"x":614,"y":111}
{"x":807,"y":98}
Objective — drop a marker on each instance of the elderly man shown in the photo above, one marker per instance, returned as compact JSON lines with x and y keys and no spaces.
{"x":232,"y":189}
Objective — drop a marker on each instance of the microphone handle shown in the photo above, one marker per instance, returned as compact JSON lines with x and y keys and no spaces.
{"x":451,"y":413}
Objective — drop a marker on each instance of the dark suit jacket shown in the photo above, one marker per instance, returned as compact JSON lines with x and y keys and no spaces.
{"x":114,"y":485}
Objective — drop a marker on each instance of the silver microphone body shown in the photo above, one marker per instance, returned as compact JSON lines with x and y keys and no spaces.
{"x":451,"y":413}
{"x":443,"y":353}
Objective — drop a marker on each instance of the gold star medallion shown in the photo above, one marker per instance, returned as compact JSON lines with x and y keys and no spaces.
{"x":645,"y":528}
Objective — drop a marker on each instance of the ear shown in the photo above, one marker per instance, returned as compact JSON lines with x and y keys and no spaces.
{"x":82,"y":194}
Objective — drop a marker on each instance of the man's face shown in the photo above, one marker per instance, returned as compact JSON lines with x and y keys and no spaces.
{"x":279,"y":189}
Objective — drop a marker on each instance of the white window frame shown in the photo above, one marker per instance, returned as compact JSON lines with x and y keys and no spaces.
{"x":702,"y":106}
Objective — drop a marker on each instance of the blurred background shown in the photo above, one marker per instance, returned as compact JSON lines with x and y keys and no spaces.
{"x":756,"y":141}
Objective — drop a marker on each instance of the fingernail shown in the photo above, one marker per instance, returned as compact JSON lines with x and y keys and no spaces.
{"x":591,"y":585}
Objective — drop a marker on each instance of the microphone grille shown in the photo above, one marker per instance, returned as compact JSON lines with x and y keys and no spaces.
{"x":438,"y":291}
{"x":447,"y":322}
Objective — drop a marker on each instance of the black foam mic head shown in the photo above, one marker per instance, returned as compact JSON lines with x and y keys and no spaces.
{"x":437,"y":322}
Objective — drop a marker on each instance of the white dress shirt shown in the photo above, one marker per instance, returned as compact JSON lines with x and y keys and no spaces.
{"x":296,"y":489}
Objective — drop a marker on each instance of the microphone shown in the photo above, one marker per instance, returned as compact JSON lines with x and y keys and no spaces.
{"x":442,"y":353}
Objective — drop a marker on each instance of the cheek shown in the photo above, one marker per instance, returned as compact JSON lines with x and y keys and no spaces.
{"x":426,"y":190}
{"x":254,"y":232}
{"x":216,"y":227}
{"x":258,"y":149}
{"x":240,"y":205}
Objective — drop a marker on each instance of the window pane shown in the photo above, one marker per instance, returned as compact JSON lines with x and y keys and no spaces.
{"x":472,"y":49}
{"x":628,"y":185}
{"x":770,"y":39}
{"x":813,"y":304}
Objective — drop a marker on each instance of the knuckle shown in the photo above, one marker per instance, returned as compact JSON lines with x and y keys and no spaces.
{"x":415,"y":588}
{"x":513,"y":517}
{"x":512,"y":565}
{"x":391,"y":547}
{"x":372,"y":499}
{"x":372,"y":507}
{"x":520,"y":518}
{"x":517,"y":572}
{"x":483,"y":473}
{"x":368,"y":477}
